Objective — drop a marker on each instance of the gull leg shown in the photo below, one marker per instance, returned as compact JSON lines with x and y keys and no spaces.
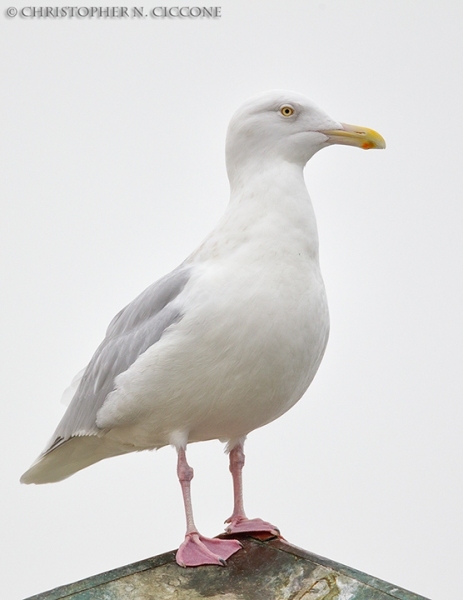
{"x":196,"y":549}
{"x":238,"y":522}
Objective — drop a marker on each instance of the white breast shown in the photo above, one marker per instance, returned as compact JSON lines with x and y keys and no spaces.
{"x":254,"y":328}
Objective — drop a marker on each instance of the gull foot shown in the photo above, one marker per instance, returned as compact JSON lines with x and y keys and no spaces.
{"x":244,"y":525}
{"x":197,"y":550}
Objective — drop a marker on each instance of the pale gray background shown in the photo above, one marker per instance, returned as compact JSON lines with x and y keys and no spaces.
{"x":113,"y":171}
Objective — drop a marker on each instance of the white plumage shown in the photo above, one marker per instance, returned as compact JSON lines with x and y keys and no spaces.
{"x":232,"y":338}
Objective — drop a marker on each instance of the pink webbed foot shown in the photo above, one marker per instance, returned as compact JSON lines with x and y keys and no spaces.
{"x":197,"y":550}
{"x":244,"y":525}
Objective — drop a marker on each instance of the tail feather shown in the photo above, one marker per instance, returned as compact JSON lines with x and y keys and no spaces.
{"x":72,"y":456}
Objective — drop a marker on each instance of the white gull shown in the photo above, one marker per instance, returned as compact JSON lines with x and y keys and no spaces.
{"x":232,"y":338}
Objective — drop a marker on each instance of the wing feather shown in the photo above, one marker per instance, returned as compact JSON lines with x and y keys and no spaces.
{"x":132,"y":331}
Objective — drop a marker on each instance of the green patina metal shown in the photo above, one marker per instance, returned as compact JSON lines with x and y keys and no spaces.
{"x":268,"y":569}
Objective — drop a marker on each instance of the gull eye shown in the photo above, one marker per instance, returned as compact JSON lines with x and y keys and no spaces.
{"x":287,"y":111}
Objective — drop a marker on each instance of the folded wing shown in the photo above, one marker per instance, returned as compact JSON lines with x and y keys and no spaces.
{"x":132,"y":331}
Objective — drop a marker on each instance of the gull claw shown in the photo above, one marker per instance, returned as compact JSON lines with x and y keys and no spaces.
{"x":198,"y":550}
{"x":244,"y":525}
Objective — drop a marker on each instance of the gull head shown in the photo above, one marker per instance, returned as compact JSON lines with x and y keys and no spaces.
{"x":286,"y":126}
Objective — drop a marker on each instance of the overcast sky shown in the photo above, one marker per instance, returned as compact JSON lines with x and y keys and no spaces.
{"x":113,"y":171}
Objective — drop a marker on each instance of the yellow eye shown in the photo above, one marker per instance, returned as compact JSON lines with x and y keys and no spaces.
{"x":287,"y":111}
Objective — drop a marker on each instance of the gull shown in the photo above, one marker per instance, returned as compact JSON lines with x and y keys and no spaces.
{"x":229,"y":340}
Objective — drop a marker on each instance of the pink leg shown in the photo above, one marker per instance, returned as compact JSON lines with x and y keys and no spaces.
{"x":198,"y":550}
{"x":239,"y":523}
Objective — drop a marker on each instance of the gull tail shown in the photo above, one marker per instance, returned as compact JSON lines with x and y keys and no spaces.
{"x":71,"y":456}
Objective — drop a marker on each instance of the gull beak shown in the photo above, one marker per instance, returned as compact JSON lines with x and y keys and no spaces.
{"x":353,"y":135}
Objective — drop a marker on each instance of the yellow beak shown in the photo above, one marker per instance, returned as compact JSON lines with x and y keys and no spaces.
{"x":353,"y":135}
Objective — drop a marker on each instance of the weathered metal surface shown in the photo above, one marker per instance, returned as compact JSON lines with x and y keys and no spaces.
{"x":263,"y":570}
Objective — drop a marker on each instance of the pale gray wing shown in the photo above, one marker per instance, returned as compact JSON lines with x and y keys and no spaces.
{"x":132,"y":331}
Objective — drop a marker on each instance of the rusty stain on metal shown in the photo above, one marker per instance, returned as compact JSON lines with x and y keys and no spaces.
{"x":265,"y":569}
